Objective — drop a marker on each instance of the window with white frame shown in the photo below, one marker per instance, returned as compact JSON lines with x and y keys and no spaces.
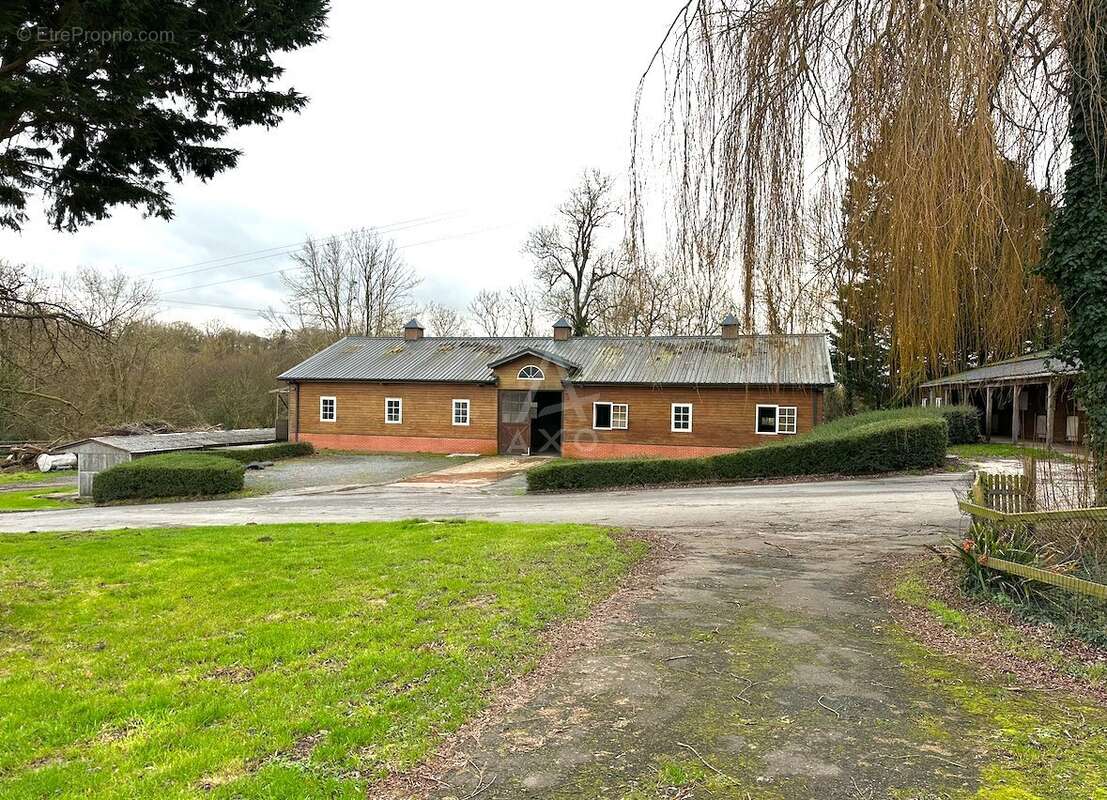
{"x":772,"y":420}
{"x":620,"y":416}
{"x":681,"y":417}
{"x":393,"y":410}
{"x":610,"y":416}
{"x":786,"y":419}
{"x":461,"y":412}
{"x":328,"y":409}
{"x":531,"y":373}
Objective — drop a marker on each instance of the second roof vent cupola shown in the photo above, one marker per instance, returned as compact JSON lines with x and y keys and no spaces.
{"x":413,"y":330}
{"x":562,"y":330}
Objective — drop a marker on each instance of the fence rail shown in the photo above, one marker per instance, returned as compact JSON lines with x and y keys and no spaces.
{"x":1069,"y":582}
{"x":1015,"y":494}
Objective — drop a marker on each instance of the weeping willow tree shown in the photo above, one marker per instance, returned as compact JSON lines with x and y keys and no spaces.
{"x":932,"y":133}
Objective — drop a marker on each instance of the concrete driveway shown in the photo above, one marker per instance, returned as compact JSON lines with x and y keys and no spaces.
{"x":815,"y":509}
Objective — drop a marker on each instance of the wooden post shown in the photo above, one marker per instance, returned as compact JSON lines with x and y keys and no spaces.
{"x":988,"y":414}
{"x":1051,"y":404}
{"x":1016,"y":413}
{"x":932,"y":396}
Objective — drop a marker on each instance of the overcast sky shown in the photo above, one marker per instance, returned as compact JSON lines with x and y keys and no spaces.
{"x":466,"y":122}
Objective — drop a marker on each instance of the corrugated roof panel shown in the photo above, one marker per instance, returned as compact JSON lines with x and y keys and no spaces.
{"x":660,"y":360}
{"x":193,"y":440}
{"x":1035,"y":365}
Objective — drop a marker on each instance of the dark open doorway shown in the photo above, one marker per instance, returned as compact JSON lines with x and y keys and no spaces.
{"x":545,"y":434}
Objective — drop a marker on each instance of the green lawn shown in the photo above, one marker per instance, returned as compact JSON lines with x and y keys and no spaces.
{"x":28,"y":500}
{"x":996,"y":450}
{"x":269,"y":661}
{"x":22,"y":477}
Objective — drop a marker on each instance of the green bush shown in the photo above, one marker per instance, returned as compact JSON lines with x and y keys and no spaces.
{"x":168,"y":475}
{"x":271,"y":452}
{"x":886,"y":443}
{"x":963,"y":423}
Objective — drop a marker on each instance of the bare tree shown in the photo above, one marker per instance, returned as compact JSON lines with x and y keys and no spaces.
{"x":491,"y":313}
{"x":641,"y":300}
{"x":358,"y":283}
{"x":445,"y":321}
{"x":570,"y":264}
{"x":323,"y":290}
{"x":385,"y":281}
{"x":524,"y":308}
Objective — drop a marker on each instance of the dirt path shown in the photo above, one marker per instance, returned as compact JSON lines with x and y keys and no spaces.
{"x":752,"y":668}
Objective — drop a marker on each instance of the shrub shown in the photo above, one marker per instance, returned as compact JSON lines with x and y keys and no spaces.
{"x":271,"y":452}
{"x":168,"y":475}
{"x":963,"y":423}
{"x":884,"y":444}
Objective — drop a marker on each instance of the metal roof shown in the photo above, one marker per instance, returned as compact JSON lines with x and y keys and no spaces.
{"x":196,"y":440}
{"x":1034,"y":365}
{"x":798,"y":359}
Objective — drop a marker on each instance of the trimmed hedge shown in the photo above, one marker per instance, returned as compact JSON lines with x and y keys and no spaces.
{"x":168,"y":475}
{"x":962,"y":422}
{"x":271,"y":452}
{"x":912,"y":441}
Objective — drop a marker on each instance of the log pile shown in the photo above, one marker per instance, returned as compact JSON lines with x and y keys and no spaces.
{"x":21,"y":457}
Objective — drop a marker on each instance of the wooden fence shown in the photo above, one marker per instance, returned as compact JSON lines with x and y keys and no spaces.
{"x":1010,"y":500}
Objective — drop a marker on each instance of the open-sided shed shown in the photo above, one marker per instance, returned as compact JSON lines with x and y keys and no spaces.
{"x":99,"y":453}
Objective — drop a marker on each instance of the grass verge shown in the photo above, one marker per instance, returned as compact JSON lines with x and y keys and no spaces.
{"x":993,"y":635}
{"x":984,"y":450}
{"x":23,"y":477}
{"x":270,"y":661}
{"x":30,"y":500}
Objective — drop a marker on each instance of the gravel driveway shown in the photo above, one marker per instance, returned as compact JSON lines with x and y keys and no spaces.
{"x":344,"y":469}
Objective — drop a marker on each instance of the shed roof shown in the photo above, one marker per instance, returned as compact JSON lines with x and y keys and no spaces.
{"x":796,"y":359}
{"x":168,"y":442}
{"x":1034,"y":365}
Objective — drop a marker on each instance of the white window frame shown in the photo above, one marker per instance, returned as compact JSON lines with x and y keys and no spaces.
{"x":400,"y":405}
{"x":626,"y":416}
{"x":776,"y":431}
{"x":460,"y":403}
{"x":334,"y":409}
{"x":541,"y":374}
{"x":611,"y":416}
{"x":672,"y":417}
{"x":794,"y":414}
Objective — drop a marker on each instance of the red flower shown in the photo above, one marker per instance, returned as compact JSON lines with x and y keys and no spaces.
{"x":967,"y":545}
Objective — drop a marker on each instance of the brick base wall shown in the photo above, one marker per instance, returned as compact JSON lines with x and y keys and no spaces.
{"x":611,"y":450}
{"x":399,"y":444}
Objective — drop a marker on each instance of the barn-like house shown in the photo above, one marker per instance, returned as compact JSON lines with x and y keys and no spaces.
{"x":583,"y":397}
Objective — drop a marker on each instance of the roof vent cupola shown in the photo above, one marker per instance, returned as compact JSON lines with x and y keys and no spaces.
{"x":413,"y":330}
{"x":562,"y":330}
{"x":729,"y":326}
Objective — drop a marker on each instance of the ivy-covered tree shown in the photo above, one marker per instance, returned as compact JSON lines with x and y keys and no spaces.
{"x":102,"y":102}
{"x":1076,"y":261}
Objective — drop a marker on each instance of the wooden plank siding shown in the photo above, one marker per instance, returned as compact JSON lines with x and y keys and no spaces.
{"x":722,"y":419}
{"x":427,"y":424}
{"x":507,"y":375}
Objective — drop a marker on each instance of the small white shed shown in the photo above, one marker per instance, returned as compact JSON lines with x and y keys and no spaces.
{"x":103,"y":452}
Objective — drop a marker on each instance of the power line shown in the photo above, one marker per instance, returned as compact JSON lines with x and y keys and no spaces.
{"x":211,"y":305}
{"x":282,"y":250}
{"x":285,"y":269}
